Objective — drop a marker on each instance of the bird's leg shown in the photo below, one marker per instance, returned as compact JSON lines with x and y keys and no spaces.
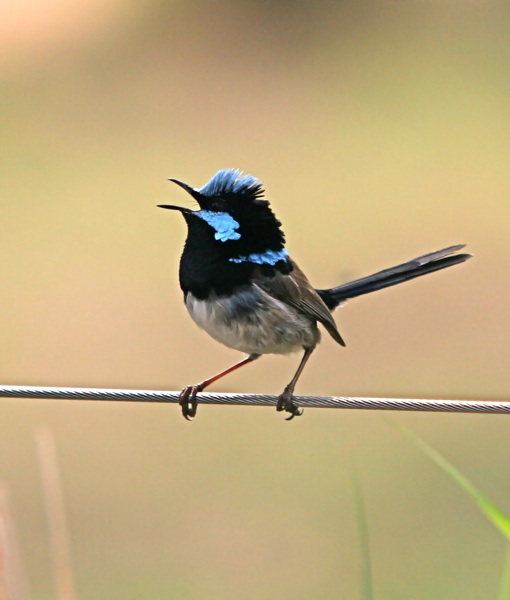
{"x":285,"y":400}
{"x":188,"y":397}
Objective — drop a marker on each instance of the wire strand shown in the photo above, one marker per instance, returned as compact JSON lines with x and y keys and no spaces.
{"x":117,"y":395}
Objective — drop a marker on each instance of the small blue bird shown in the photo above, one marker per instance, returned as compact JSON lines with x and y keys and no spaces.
{"x":241,"y":286}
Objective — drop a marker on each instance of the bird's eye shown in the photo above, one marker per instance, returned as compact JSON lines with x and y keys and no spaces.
{"x":218,"y":205}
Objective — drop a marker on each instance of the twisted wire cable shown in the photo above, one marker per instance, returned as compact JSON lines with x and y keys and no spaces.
{"x":118,"y":395}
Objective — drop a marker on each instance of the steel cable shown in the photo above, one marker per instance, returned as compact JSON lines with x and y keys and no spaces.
{"x":118,"y":395}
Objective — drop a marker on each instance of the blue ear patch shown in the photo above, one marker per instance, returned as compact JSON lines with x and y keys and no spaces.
{"x":269,"y":257}
{"x":223,"y":224}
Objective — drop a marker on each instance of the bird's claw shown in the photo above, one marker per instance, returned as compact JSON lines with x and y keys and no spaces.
{"x":188,"y":401}
{"x":285,"y":402}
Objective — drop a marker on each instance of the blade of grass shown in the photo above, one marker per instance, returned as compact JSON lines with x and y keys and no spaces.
{"x":366,"y":563}
{"x":497,"y":517}
{"x":504,"y":586}
{"x":55,"y":514}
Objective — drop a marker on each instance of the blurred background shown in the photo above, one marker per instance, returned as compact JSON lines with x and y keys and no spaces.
{"x":381,"y":131}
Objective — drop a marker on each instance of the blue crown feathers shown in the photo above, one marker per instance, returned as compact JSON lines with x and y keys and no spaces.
{"x":232,"y":182}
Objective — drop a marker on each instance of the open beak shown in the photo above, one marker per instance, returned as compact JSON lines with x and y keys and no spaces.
{"x":191,"y":191}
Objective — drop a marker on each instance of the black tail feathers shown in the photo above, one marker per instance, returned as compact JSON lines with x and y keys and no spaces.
{"x":428,"y":263}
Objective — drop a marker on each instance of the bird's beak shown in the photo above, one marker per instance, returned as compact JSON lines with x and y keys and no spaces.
{"x":191,"y":191}
{"x":181,"y":209}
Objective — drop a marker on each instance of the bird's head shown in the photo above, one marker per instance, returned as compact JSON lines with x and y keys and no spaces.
{"x":238,"y":217}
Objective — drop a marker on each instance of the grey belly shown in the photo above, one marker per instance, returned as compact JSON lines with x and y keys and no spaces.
{"x":253,"y":322}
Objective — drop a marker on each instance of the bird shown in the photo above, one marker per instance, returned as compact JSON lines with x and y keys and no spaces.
{"x":243,"y":288}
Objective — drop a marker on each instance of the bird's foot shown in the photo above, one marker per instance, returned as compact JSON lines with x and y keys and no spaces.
{"x":285,"y":402}
{"x":188,"y":401}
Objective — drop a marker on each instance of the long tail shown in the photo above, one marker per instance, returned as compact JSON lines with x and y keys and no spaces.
{"x":428,"y":263}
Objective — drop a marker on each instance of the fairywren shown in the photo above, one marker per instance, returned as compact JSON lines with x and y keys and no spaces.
{"x":241,"y":286}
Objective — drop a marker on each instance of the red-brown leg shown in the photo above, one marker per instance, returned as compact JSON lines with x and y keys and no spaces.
{"x":188,"y":396}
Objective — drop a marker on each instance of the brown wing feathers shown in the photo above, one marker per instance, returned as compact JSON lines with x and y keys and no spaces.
{"x":297,"y":291}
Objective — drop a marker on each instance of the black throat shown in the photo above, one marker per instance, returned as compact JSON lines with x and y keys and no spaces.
{"x":207,"y":267}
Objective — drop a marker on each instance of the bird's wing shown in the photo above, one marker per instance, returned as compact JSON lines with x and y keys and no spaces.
{"x":295,"y":290}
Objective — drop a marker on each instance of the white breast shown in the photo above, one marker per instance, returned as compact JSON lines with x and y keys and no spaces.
{"x":253,"y":322}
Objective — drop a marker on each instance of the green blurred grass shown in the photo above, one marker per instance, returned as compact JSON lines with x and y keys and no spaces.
{"x":498,"y":518}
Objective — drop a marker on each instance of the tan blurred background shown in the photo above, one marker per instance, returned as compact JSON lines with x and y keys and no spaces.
{"x":381,"y":131}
